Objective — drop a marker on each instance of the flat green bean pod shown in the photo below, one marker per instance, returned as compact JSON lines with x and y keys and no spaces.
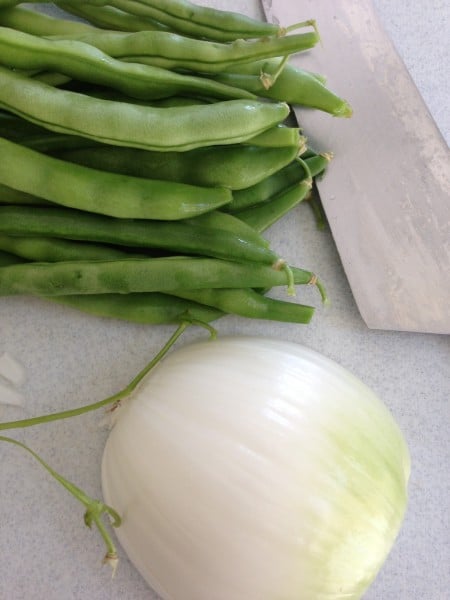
{"x":8,"y":3}
{"x":126,"y":124}
{"x":251,"y":304}
{"x":82,"y":61}
{"x":15,"y":128}
{"x":11,"y":196}
{"x":278,"y":137}
{"x":95,"y":191}
{"x":294,"y":85}
{"x":47,"y":249}
{"x":108,"y":17}
{"x":56,"y":144}
{"x":261,"y":217}
{"x":6,"y":259}
{"x":142,"y":275}
{"x":187,"y":236}
{"x":192,"y":19}
{"x":280,"y":181}
{"x":151,"y":308}
{"x":51,"y":142}
{"x":36,"y":23}
{"x":234,"y":166}
{"x":173,"y":51}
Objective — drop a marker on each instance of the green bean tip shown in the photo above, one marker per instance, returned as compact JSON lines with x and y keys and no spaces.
{"x":344,"y":111}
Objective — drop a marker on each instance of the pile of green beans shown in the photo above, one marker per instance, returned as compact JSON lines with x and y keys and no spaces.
{"x":145,"y":151}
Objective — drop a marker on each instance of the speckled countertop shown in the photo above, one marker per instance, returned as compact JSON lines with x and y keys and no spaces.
{"x":45,"y":551}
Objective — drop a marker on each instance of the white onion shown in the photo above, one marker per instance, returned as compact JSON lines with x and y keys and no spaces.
{"x":256,"y":469}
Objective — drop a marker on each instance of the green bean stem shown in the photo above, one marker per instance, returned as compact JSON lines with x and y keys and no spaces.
{"x":110,"y":400}
{"x":94,"y":508}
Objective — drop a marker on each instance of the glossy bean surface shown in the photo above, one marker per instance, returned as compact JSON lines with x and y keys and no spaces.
{"x":182,"y":237}
{"x":103,"y":192}
{"x":127,"y":124}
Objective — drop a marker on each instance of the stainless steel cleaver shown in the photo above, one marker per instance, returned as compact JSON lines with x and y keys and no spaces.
{"x":387,"y":192}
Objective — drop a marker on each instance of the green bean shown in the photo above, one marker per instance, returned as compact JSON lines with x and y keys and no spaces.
{"x":296,"y":86}
{"x":278,"y":137}
{"x":35,"y":23}
{"x":108,"y":17}
{"x":118,"y":123}
{"x":52,"y":79}
{"x":50,"y":142}
{"x":317,"y":209}
{"x":43,"y":249}
{"x":261,"y":217}
{"x":152,"y":275}
{"x":173,"y":51}
{"x":181,"y":101}
{"x":227,"y":222}
{"x":265,"y":189}
{"x":82,"y":61}
{"x":15,"y":128}
{"x":51,"y":249}
{"x":181,"y":236}
{"x":11,"y":196}
{"x":194,"y":20}
{"x":8,"y":3}
{"x":103,"y":93}
{"x":37,"y":138}
{"x":101,"y":192}
{"x":6,"y":259}
{"x":272,"y":185}
{"x":234,"y":167}
{"x":146,"y":308}
{"x":249,"y":303}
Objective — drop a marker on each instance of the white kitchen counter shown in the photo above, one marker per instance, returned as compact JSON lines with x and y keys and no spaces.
{"x":46,"y":553}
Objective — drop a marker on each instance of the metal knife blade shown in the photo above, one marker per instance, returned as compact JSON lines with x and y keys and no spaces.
{"x":387,"y":192}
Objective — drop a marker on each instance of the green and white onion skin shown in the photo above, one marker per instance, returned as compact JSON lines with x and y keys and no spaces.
{"x":256,"y":469}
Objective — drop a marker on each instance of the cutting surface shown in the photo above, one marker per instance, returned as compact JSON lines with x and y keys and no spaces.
{"x":387,"y":193}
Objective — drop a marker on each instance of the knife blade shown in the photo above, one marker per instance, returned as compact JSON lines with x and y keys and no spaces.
{"x":387,"y":191}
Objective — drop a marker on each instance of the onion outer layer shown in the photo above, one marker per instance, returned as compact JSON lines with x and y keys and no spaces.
{"x":255,"y":469}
